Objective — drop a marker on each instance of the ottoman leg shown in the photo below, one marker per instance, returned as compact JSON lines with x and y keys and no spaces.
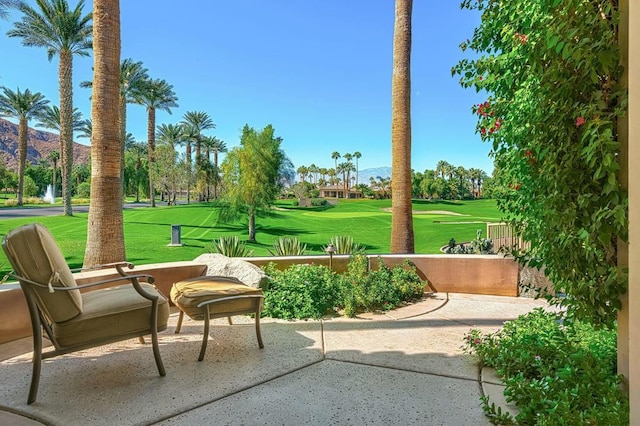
{"x":260,"y":344}
{"x":179,"y":325}
{"x":205,"y":336}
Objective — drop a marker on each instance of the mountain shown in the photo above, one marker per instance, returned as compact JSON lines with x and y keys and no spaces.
{"x":365,"y":174}
{"x":39,"y":144}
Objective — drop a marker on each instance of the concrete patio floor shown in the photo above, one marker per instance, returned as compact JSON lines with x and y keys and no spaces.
{"x":404,"y":367}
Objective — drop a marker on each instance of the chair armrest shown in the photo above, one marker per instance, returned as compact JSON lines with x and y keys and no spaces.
{"x":149,"y":279}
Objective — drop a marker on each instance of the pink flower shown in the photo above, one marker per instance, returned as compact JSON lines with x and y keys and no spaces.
{"x":483,"y":131}
{"x":580,"y":121}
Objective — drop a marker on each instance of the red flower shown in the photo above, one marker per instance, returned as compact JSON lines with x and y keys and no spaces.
{"x":527,"y":154}
{"x":522,"y":38}
{"x":580,"y":121}
{"x":517,"y":186}
{"x":481,"y":78}
{"x":483,"y":131}
{"x":498,"y":124}
{"x":492,"y":129}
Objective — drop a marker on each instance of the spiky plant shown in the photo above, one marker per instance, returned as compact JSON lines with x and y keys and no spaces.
{"x":288,"y":246}
{"x":231,"y":246}
{"x":344,"y":244}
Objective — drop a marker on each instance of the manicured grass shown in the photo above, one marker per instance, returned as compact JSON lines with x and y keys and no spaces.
{"x":148,"y":230}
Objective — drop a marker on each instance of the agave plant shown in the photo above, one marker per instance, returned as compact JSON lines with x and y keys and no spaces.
{"x":288,"y":246}
{"x":344,"y":244}
{"x":231,"y":246}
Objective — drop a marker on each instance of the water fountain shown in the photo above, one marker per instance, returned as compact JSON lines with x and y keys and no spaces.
{"x":49,"y":196}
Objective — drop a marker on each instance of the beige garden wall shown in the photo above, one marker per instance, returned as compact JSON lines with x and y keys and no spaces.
{"x":491,"y":275}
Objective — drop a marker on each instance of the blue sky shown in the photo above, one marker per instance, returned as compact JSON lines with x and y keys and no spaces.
{"x":319,"y":71}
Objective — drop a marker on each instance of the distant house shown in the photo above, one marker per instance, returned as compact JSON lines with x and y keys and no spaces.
{"x":337,"y":191}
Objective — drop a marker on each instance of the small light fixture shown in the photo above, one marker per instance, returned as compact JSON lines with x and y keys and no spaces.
{"x":330,"y":249}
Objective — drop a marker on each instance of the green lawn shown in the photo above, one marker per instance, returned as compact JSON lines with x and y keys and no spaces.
{"x":148,"y":230}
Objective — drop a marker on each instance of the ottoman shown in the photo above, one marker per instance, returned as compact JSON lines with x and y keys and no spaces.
{"x":208,"y":297}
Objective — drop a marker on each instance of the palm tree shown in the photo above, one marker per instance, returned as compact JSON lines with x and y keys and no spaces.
{"x":138,"y":149}
{"x":23,"y":106}
{"x":170,"y":135}
{"x":402,"y":237}
{"x":357,"y":155}
{"x":334,"y":156}
{"x":85,"y":128}
{"x":4,"y":5}
{"x":50,"y":119}
{"x":217,"y":146}
{"x":65,"y":32}
{"x":154,"y":95}
{"x":54,"y":157}
{"x":198,"y":121}
{"x":105,"y":230}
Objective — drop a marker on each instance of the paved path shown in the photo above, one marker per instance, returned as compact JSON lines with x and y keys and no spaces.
{"x":22,"y":212}
{"x":405,"y":367}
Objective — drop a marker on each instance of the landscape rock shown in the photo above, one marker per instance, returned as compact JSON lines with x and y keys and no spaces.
{"x":246,"y":272}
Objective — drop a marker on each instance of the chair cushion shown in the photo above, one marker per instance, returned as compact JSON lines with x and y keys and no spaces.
{"x":112,"y":312}
{"x":188,"y":294}
{"x":34,"y":254}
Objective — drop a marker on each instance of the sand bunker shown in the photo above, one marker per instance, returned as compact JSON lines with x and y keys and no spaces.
{"x":439,"y":212}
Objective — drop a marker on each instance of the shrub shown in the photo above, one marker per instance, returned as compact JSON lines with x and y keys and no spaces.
{"x":230,"y":246}
{"x":317,"y":202}
{"x":383,"y":289}
{"x":311,"y":291}
{"x":288,"y":246}
{"x":553,"y":370}
{"x":300,"y":291}
{"x":83,"y":190}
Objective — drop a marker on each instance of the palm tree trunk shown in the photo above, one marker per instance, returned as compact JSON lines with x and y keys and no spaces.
{"x":66,"y":126}
{"x":23,"y":128}
{"x":402,"y":238}
{"x":105,"y":233}
{"x":122,"y":125}
{"x":151,"y":146}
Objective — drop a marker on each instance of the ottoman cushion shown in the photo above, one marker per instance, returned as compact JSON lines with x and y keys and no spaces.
{"x":188,"y":294}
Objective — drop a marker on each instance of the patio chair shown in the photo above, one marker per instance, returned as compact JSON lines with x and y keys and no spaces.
{"x":75,"y":320}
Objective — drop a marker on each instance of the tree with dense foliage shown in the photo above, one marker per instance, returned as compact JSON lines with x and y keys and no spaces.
{"x":23,"y":106}
{"x":65,"y":32}
{"x":154,"y":95}
{"x":334,"y":156}
{"x":195,"y":122}
{"x":552,"y":73}
{"x":402,"y":238}
{"x":105,"y":230}
{"x":251,"y":173}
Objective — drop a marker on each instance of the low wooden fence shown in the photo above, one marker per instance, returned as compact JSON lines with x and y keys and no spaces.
{"x":505,"y":238}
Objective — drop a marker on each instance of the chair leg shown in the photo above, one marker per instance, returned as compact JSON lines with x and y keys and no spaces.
{"x":141,"y":340}
{"x":154,"y":337}
{"x":229,"y":321}
{"x":205,"y":336}
{"x":179,"y":325}
{"x":37,"y":364}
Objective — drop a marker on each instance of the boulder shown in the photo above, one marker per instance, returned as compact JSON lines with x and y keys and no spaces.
{"x":246,"y":272}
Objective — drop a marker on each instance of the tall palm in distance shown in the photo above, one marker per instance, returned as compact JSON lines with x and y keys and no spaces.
{"x":217,"y":147}
{"x":154,"y":95}
{"x":357,"y":155}
{"x":170,"y":135}
{"x":402,"y":236}
{"x":64,"y":32}
{"x":334,"y":156}
{"x":50,"y":119}
{"x":132,"y":77}
{"x":23,"y":106}
{"x":197,"y":122}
